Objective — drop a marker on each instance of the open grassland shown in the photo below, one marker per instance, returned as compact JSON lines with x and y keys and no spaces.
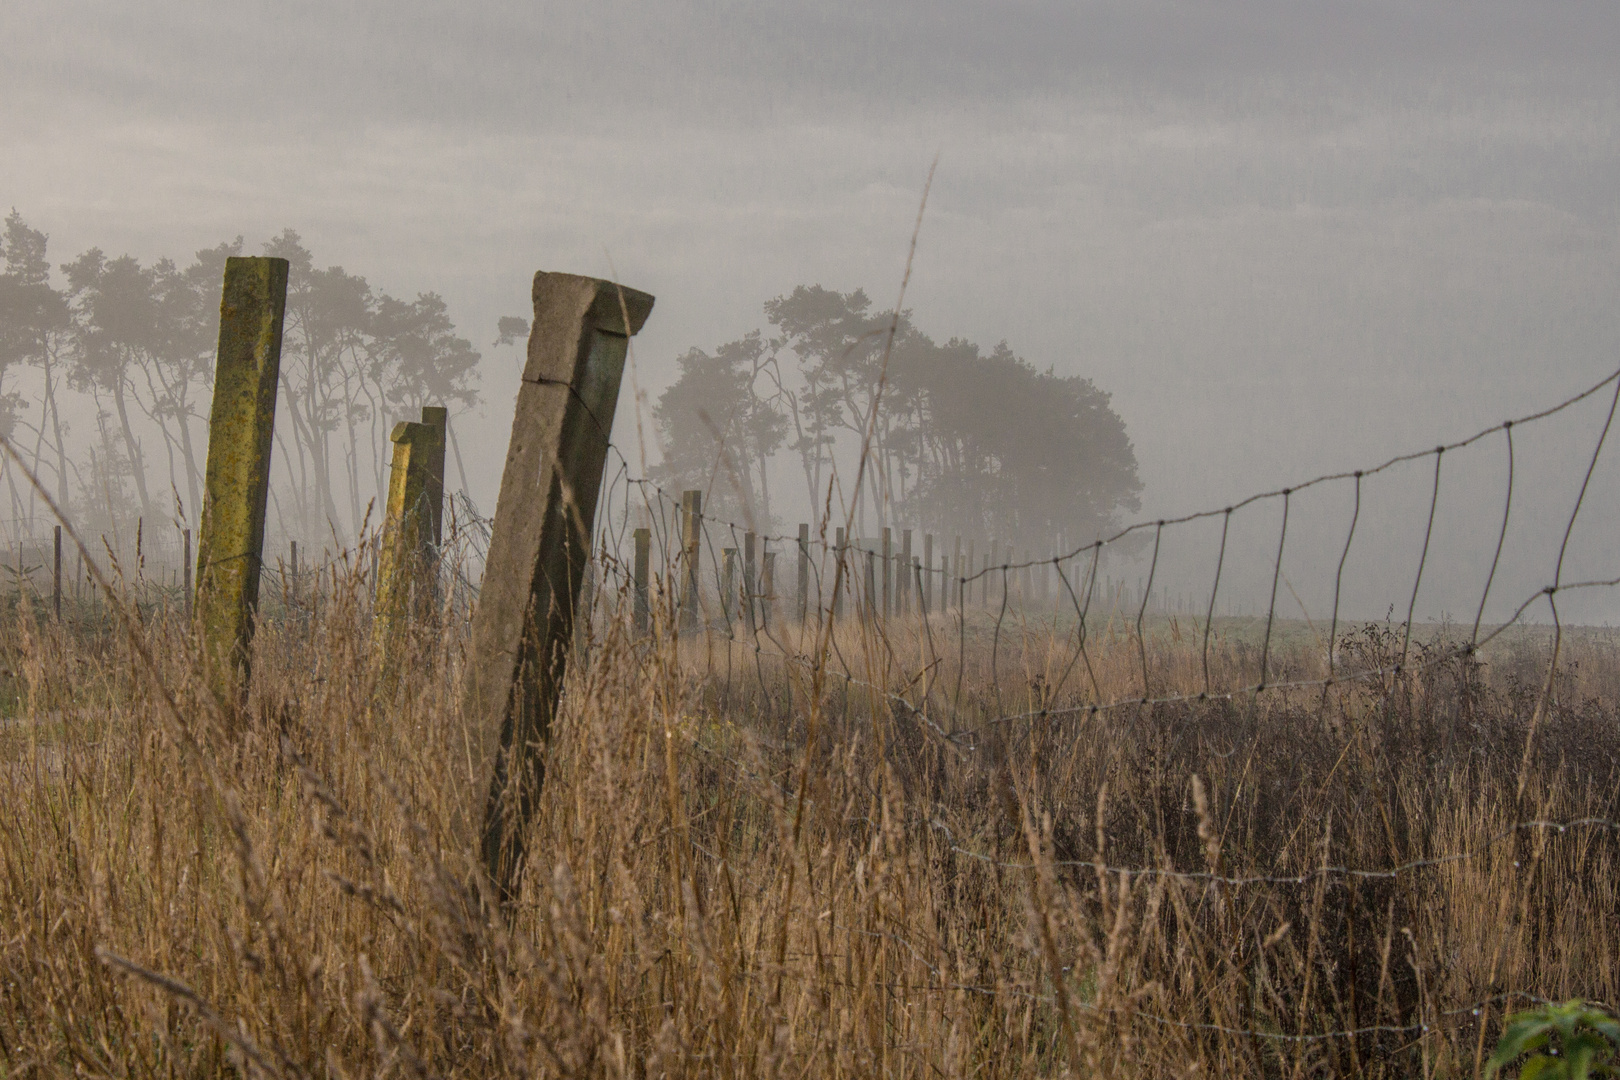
{"x":927,"y":857}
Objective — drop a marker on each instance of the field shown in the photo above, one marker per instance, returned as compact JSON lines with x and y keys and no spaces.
{"x":926,"y":857}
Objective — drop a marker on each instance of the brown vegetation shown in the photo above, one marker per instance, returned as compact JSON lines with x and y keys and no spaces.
{"x":734,"y":876}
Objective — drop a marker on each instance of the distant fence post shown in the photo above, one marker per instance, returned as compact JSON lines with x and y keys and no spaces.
{"x":839,"y":585}
{"x":804,"y":572}
{"x":728,"y":585}
{"x":767,"y":588}
{"x":186,"y":585}
{"x":56,"y":576}
{"x":539,"y":547}
{"x":750,"y":580}
{"x":888,"y":573}
{"x":643,"y":610}
{"x":903,"y":601}
{"x":406,"y":528}
{"x":870,"y":600}
{"x":436,"y":418}
{"x":691,"y":545}
{"x":236,"y":486}
{"x":925,"y":583}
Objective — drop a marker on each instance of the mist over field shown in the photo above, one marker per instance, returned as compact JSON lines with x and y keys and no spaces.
{"x":1105,"y":563}
{"x":1285,"y":240}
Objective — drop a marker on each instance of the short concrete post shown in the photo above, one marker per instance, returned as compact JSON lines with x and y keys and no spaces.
{"x":236,"y":484}
{"x":407,"y":528}
{"x":804,"y":572}
{"x":539,"y":545}
{"x":643,"y":609}
{"x":691,"y":545}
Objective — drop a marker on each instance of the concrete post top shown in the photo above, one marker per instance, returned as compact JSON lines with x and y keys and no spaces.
{"x":606,"y":303}
{"x":570,"y":312}
{"x":408,"y":431}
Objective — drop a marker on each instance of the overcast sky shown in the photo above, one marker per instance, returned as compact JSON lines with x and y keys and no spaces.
{"x":1287,"y":237}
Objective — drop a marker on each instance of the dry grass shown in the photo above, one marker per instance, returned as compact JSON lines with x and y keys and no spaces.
{"x":727,"y":881}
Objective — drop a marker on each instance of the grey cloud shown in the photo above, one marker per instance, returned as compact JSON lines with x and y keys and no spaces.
{"x":554,"y":64}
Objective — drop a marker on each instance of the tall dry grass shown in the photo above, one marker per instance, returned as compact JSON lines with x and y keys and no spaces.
{"x":733,"y":874}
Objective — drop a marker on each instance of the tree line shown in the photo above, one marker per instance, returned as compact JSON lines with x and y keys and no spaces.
{"x":136,"y":344}
{"x":960,"y":437}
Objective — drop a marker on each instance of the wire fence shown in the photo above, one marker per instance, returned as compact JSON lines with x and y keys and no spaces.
{"x":718,"y":576}
{"x":940,"y":640}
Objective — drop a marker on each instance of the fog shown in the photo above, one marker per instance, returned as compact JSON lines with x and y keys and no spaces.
{"x":1288,"y":239}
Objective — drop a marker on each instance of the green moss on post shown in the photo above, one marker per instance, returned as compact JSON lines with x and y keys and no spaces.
{"x":230,"y":548}
{"x":407,"y":524}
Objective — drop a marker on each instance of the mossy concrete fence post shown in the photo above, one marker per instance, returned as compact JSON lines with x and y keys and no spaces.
{"x":413,"y":522}
{"x":538,"y":549}
{"x":230,"y":546}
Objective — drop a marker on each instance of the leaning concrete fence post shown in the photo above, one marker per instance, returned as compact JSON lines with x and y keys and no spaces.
{"x":236,"y":485}
{"x":539,"y":546}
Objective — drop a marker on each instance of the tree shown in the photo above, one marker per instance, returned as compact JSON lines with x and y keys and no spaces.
{"x":351,"y":360}
{"x":1015,"y":452}
{"x":143,"y":337}
{"x":720,"y":425}
{"x":34,"y":325}
{"x":988,"y":443}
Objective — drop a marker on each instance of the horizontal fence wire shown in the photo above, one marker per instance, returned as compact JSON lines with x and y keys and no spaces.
{"x":1077,"y":573}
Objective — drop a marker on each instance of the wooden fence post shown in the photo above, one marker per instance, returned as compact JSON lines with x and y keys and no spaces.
{"x":888,"y":573}
{"x":236,"y":486}
{"x":767,"y":588}
{"x":750,"y":580}
{"x":904,"y":602}
{"x":839,"y":584}
{"x":728,"y":585}
{"x":925,"y":584}
{"x":804,"y":572}
{"x":538,"y":549}
{"x":870,"y":600}
{"x":56,"y":577}
{"x":691,"y":548}
{"x":643,"y":609}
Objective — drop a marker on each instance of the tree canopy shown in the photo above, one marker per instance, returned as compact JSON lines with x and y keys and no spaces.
{"x":139,"y":340}
{"x":984,"y":442}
